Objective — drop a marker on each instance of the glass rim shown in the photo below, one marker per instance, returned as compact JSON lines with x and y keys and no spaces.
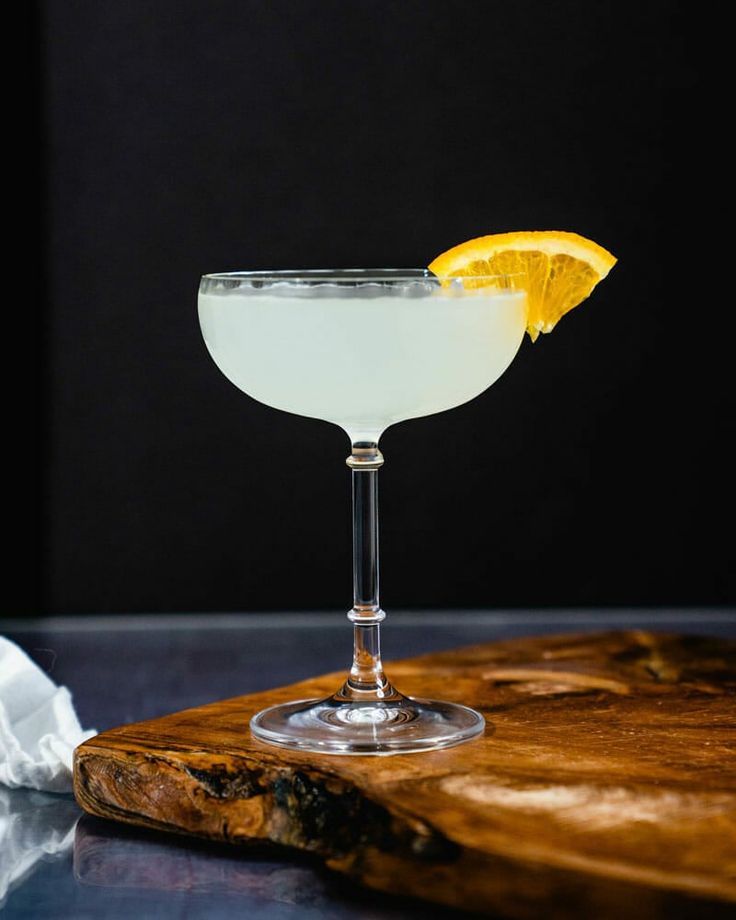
{"x":352,"y":275}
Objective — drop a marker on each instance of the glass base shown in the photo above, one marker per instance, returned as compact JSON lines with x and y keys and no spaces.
{"x":401,"y":725}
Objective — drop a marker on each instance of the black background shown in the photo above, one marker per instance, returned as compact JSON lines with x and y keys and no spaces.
{"x":184,"y":137}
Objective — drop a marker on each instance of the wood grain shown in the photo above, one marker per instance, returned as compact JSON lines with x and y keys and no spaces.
{"x":605,"y":784}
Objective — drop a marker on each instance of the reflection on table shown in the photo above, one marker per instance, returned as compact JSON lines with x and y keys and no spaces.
{"x":34,"y":827}
{"x":119,"y":859}
{"x":111,"y":856}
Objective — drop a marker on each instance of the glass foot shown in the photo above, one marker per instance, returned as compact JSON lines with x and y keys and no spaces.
{"x":396,"y":726}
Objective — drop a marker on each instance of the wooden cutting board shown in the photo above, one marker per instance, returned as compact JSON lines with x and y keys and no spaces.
{"x":605,"y":784}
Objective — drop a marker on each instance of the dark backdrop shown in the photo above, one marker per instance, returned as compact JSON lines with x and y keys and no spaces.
{"x":185,"y":137}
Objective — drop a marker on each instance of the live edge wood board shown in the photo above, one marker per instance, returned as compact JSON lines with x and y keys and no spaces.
{"x":604,"y":787}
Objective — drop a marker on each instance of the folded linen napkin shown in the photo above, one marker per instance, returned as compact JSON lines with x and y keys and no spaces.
{"x":39,"y":728}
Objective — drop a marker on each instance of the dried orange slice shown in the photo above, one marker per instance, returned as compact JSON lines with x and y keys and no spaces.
{"x":561,"y":269}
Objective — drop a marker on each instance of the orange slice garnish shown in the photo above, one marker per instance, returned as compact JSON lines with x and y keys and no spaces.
{"x":557,"y":269}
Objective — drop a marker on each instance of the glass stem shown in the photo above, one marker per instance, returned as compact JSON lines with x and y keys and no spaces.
{"x":366,"y":681}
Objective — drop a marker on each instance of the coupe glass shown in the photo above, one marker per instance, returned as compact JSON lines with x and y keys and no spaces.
{"x":364,"y":349}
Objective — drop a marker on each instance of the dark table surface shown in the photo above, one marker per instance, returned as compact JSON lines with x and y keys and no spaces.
{"x":56,"y":862}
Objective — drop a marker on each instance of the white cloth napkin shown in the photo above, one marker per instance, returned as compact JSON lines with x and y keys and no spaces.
{"x":39,"y":728}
